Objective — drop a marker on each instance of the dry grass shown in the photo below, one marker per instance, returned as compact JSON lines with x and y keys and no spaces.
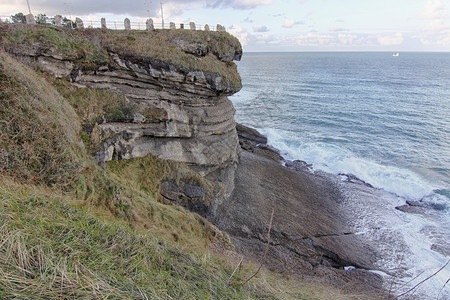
{"x":38,"y":129}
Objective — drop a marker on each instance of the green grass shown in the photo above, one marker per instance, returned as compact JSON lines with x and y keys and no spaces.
{"x":38,"y":129}
{"x":51,"y":249}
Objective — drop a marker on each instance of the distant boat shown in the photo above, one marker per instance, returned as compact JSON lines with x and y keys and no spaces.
{"x":396,"y":54}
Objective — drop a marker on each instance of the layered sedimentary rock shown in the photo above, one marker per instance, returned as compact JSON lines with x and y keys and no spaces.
{"x":174,"y":112}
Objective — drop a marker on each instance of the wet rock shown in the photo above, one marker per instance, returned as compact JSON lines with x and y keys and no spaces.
{"x":410,"y":209}
{"x":298,"y":165}
{"x":268,"y":152}
{"x":250,"y":135}
{"x":353,"y":179}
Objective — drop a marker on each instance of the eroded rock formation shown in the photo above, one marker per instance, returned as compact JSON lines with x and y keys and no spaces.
{"x":174,"y":112}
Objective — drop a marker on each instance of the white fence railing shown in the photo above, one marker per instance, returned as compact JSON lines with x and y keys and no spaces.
{"x":116,"y":25}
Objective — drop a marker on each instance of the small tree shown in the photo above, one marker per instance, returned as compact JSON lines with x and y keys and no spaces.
{"x":18,"y":18}
{"x":68,"y":23}
{"x":42,"y":19}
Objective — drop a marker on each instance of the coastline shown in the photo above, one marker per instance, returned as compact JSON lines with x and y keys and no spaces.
{"x":328,"y":228}
{"x":311,"y":236}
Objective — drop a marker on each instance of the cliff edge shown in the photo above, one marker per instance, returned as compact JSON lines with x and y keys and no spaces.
{"x":174,"y":85}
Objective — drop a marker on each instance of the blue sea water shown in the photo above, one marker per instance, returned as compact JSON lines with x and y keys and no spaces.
{"x":382,"y":118}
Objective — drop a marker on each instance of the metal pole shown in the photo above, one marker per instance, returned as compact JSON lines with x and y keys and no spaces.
{"x":148,"y":10}
{"x":29,"y":9}
{"x":162,"y":14}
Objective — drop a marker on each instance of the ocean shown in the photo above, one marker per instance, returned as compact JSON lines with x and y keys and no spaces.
{"x":383,"y":118}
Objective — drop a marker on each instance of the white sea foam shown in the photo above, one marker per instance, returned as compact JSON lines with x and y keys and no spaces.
{"x":334,"y":159}
{"x":404,"y":241}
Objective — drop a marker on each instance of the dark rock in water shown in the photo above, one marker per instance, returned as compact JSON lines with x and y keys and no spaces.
{"x":298,"y":165}
{"x":410,"y":209}
{"x":443,"y":249}
{"x":250,"y":135}
{"x":267,"y":151}
{"x":253,"y":141}
{"x":414,"y":203}
{"x":416,"y":207}
{"x":353,"y":179}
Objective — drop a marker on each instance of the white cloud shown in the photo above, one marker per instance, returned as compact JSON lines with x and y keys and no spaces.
{"x":336,"y":29}
{"x":252,"y":3}
{"x":143,"y":8}
{"x":437,"y":30}
{"x":260,"y":28}
{"x":433,"y":9}
{"x":313,"y":38}
{"x":389,"y":40}
{"x":289,"y":23}
{"x":240,"y":33}
{"x":240,"y":4}
{"x":346,"y":39}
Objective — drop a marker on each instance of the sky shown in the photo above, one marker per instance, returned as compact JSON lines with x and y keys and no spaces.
{"x":281,"y":25}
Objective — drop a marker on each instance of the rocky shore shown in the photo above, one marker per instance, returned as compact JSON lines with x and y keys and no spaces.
{"x":310,"y":236}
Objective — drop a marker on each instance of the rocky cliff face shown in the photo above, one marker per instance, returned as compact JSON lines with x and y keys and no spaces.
{"x":173,"y":112}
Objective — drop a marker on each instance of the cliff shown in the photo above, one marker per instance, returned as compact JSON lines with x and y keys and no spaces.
{"x":174,"y":85}
{"x":104,"y":128}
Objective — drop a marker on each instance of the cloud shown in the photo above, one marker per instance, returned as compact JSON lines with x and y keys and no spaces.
{"x":346,"y":39}
{"x":240,"y":4}
{"x":143,"y":8}
{"x":337,"y":29}
{"x":390,"y":40}
{"x":313,"y":38}
{"x":260,"y":28}
{"x":289,"y":23}
{"x":433,"y":9}
{"x":251,"y":3}
{"x":119,"y":7}
{"x":437,"y":30}
{"x":240,"y":33}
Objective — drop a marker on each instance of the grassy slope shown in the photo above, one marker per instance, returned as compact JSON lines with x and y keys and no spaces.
{"x":70,"y":230}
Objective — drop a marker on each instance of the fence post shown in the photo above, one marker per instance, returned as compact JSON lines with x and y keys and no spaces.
{"x":79,"y":23}
{"x":149,"y":24}
{"x":172,"y":25}
{"x":220,"y":28}
{"x":127,"y":24}
{"x":192,"y":25}
{"x":30,"y":19}
{"x":103,"y":22}
{"x":58,"y":21}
